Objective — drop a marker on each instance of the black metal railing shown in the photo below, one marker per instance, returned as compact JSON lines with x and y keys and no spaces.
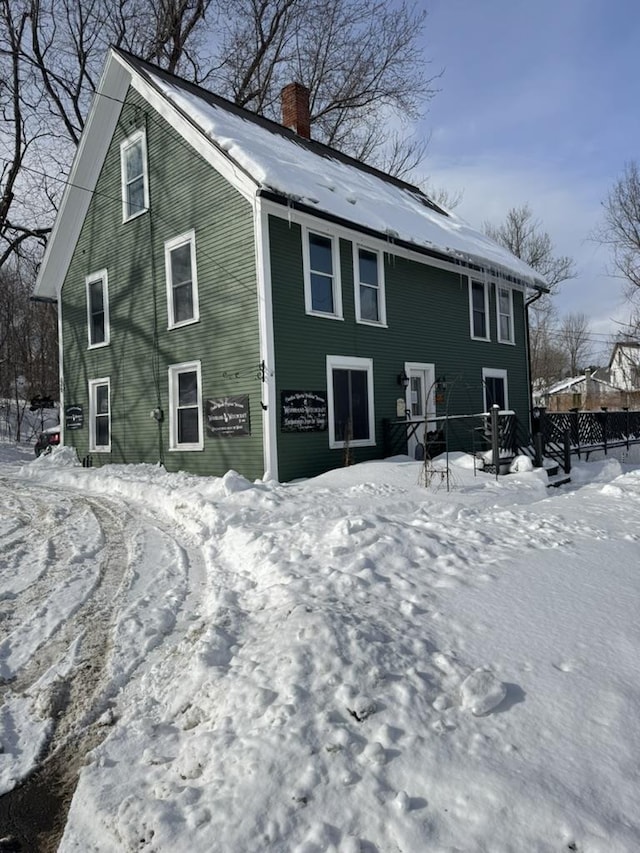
{"x":555,"y":435}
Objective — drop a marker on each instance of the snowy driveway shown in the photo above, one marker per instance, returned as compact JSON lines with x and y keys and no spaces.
{"x":320,"y":667}
{"x":77,"y":616}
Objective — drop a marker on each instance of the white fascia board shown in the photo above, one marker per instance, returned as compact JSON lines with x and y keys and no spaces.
{"x":324,"y":224}
{"x":196,"y":138}
{"x":87,"y":164}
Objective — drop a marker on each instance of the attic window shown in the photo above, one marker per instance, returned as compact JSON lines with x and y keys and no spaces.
{"x":135,"y":183}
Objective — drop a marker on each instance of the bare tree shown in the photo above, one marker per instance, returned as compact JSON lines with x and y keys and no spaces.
{"x":361,"y":60}
{"x":575,"y":340}
{"x":524,"y":236}
{"x":621,"y":227}
{"x":51,"y":53}
{"x":28,"y":346}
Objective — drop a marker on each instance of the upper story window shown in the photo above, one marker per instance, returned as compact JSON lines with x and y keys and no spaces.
{"x":322,"y":290}
{"x":100,"y":415}
{"x":135,"y":183}
{"x":504,"y":303}
{"x":98,"y":309}
{"x":182,"y":280}
{"x":185,"y":406}
{"x":479,"y":309}
{"x":369,"y":287}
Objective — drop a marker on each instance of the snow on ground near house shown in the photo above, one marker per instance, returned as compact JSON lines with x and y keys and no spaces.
{"x":364,"y":665}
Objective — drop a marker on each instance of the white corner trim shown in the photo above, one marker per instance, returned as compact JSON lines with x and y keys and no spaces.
{"x":267,"y":344}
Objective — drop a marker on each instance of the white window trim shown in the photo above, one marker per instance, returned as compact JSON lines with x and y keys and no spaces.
{"x":382,"y":303}
{"x":139,"y":135}
{"x":495,"y":373}
{"x":509,"y":290}
{"x":169,"y":246}
{"x":174,"y":370}
{"x":93,"y":384}
{"x":350,"y":363}
{"x":473,"y":281}
{"x":101,"y":275}
{"x":337,"y":284}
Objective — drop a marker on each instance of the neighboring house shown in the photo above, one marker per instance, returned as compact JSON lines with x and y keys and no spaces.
{"x":625,"y":366}
{"x":579,"y":392}
{"x":234,"y":295}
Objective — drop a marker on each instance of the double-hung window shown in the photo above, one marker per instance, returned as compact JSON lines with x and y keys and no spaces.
{"x":98,"y":309}
{"x":322,"y":290}
{"x":478,"y":308}
{"x":504,"y":303}
{"x":350,"y":401}
{"x":369,"y":287}
{"x":135,"y":183}
{"x":182,"y":280}
{"x":185,"y":406}
{"x":100,"y":415}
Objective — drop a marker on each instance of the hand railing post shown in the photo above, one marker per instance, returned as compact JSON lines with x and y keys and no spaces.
{"x":538,"y":446}
{"x":495,"y":440}
{"x":567,"y":451}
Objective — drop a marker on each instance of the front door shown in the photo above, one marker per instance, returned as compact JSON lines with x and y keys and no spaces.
{"x":420,"y":403}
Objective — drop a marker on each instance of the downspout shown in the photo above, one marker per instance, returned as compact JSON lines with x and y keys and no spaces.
{"x":528,"y":302}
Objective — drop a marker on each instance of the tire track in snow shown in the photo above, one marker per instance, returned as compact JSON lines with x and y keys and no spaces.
{"x":81,"y":663}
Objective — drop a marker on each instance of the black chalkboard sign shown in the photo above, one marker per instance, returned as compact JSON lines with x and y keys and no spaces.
{"x":303,"y":411}
{"x":73,"y":417}
{"x":228,"y":417}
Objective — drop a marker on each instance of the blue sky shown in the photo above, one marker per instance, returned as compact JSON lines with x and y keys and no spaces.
{"x":539,"y":102}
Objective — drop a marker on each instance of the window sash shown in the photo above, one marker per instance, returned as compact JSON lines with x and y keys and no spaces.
{"x":495,"y":388}
{"x":135,"y":190}
{"x":369,"y":285}
{"x":479,"y":309}
{"x":321,"y":273}
{"x":97,"y":295}
{"x":97,"y":326}
{"x":182,"y":284}
{"x":100,"y":411}
{"x":185,"y":398}
{"x":505,"y":315}
{"x":351,"y":405}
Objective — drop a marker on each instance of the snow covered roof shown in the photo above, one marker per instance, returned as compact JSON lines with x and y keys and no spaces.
{"x":567,"y":384}
{"x":327,"y":181}
{"x":261,"y":157}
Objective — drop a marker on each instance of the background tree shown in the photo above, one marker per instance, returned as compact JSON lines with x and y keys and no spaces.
{"x":525,"y":237}
{"x":361,"y":59}
{"x":620,"y":229}
{"x":575,"y":334}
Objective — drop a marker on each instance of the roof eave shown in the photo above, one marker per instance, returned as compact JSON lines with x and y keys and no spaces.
{"x":471,"y":263}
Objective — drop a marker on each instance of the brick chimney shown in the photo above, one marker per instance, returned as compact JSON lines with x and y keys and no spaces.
{"x":295,"y":109}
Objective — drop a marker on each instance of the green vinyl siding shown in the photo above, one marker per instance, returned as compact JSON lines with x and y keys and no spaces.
{"x":427,"y":321}
{"x":185,"y":193}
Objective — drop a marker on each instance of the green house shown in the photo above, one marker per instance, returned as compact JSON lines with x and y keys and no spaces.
{"x":235,"y":295}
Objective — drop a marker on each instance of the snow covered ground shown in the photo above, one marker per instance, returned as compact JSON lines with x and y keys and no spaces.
{"x":355,"y":663}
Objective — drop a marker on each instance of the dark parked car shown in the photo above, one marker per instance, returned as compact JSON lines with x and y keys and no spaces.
{"x":47,"y":439}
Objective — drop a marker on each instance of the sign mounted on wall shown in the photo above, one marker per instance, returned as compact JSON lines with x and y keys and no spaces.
{"x":228,"y":417}
{"x":303,"y":411}
{"x":73,"y":417}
